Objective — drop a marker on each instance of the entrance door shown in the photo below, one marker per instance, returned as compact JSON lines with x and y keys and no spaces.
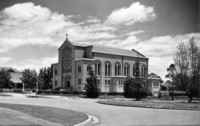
{"x":68,"y":84}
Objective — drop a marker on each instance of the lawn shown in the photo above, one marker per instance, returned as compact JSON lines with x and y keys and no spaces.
{"x":57,"y":115}
{"x":148,"y":103}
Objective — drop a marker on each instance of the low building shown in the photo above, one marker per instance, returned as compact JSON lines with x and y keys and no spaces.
{"x":15,"y":74}
{"x":154,"y":84}
{"x":111,"y":66}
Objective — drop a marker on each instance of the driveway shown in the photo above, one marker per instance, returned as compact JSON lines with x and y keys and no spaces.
{"x":114,"y":115}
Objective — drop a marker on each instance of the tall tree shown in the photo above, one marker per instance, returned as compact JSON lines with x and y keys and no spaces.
{"x":187,"y":61}
{"x":91,"y":86}
{"x":29,"y":78}
{"x":45,"y":77}
{"x":194,"y":71}
{"x":5,"y":77}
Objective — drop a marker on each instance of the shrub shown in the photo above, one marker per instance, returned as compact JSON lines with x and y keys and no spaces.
{"x":192,"y":92}
{"x":134,"y":88}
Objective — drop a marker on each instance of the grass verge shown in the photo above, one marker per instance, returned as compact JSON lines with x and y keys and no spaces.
{"x":57,"y":115}
{"x":176,"y":105}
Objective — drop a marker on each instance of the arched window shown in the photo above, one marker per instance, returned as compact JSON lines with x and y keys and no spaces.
{"x":107,"y":68}
{"x":117,"y":69}
{"x":143,"y":71}
{"x":134,"y":70}
{"x":97,"y":67}
{"x":126,"y":69}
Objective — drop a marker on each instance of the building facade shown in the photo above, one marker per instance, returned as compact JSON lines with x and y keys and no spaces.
{"x":154,"y":84}
{"x":111,"y":66}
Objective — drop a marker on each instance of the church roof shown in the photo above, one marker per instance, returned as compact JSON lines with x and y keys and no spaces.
{"x":116,"y":51}
{"x":110,"y":50}
{"x":107,"y":50}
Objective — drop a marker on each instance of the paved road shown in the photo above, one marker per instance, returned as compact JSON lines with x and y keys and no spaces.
{"x":114,"y":115}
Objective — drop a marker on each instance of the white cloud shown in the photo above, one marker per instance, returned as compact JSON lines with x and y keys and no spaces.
{"x":134,"y":32}
{"x":28,"y":24}
{"x":129,"y":16}
{"x":159,"y":65}
{"x":35,"y":63}
{"x":160,"y":50}
{"x":5,"y":61}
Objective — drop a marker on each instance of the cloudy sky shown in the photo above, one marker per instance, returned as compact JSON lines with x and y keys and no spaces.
{"x":32,"y":30}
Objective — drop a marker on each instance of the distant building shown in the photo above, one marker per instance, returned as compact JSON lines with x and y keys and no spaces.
{"x":111,"y":66}
{"x":15,"y":75}
{"x":154,"y":84}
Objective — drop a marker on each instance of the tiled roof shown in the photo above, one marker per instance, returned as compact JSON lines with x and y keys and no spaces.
{"x":111,"y":50}
{"x":116,"y":51}
{"x":10,"y":69}
{"x":81,"y":44}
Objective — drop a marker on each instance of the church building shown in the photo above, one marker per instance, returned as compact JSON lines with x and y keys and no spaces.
{"x":111,"y":66}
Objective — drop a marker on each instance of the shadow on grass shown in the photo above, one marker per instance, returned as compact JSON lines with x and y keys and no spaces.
{"x":57,"y":115}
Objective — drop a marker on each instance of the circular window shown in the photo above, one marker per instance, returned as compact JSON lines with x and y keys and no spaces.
{"x":67,"y":61}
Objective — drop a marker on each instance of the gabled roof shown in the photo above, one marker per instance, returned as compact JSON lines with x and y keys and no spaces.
{"x":10,"y":69}
{"x":107,"y":50}
{"x":116,"y":51}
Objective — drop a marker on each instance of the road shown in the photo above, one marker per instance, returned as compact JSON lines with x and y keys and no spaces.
{"x":113,"y":115}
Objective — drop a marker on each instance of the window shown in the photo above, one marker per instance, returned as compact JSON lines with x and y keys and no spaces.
{"x":155,"y":84}
{"x":98,"y":82}
{"x":79,"y":81}
{"x":56,"y":71}
{"x":126,"y":69}
{"x":143,"y":72}
{"x":79,"y":69}
{"x":107,"y":82}
{"x":56,"y":83}
{"x":134,"y":70}
{"x":107,"y":69}
{"x":88,"y":68}
{"x":117,"y":69}
{"x":97,"y":68}
{"x":120,"y":83}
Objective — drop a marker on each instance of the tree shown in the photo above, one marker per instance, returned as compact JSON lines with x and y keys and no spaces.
{"x":91,"y":86}
{"x":29,"y":78}
{"x":171,"y":75}
{"x":134,"y":87}
{"x":187,"y":61}
{"x":45,"y":77}
{"x":194,"y":69}
{"x":5,"y":77}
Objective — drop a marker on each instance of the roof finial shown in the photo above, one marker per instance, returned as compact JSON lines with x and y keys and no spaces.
{"x":66,"y":36}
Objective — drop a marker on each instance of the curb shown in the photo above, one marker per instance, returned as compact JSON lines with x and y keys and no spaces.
{"x":91,"y":120}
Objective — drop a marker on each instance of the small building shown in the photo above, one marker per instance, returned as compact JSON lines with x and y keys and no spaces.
{"x":154,"y":84}
{"x":16,"y":76}
{"x":111,"y":66}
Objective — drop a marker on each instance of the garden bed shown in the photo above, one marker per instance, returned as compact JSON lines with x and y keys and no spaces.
{"x":158,"y":104}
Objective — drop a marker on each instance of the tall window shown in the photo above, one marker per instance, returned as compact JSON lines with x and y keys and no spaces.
{"x":79,"y":81}
{"x":117,"y":69}
{"x":56,"y":71}
{"x":56,"y":83}
{"x":88,"y":68}
{"x":134,"y":70}
{"x":97,"y":68}
{"x":79,"y":69}
{"x":107,"y":69}
{"x":126,"y":69}
{"x":143,"y":72}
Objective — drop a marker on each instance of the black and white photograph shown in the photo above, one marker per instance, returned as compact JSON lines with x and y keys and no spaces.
{"x":99,"y":62}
